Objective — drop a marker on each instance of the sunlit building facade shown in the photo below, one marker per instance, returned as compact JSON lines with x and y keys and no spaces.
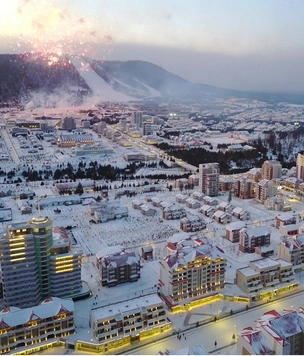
{"x":37,"y":327}
{"x":128,"y":321}
{"x":190,"y":273}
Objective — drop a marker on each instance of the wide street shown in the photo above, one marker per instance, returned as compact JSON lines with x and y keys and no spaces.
{"x":220,"y":331}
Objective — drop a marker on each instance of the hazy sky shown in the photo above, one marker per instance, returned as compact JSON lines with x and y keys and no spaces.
{"x":241,"y":44}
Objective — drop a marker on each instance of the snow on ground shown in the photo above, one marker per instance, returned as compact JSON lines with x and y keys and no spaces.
{"x":102,"y":91}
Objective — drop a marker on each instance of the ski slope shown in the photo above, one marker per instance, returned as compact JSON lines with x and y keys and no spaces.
{"x":102,"y":91}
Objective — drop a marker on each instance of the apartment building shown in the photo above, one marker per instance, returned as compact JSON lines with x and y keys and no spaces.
{"x":300,"y":165}
{"x":233,"y":231}
{"x":265,"y":189}
{"x":292,"y":250}
{"x":266,"y":278}
{"x":137,"y":118}
{"x":37,"y":327}
{"x":118,"y":267}
{"x":123,"y":323}
{"x":68,"y":123}
{"x":209,"y":178}
{"x":20,"y":280}
{"x":275,"y":333}
{"x":271,"y":169}
{"x":253,"y":237}
{"x":284,"y":219}
{"x":191,"y":272}
{"x":226,"y":183}
{"x":35,"y":265}
{"x":244,"y":188}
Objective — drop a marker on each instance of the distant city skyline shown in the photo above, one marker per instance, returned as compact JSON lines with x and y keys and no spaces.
{"x":246,"y":45}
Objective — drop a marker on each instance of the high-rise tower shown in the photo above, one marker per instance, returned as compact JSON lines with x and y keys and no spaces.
{"x":209,"y":178}
{"x":43,"y":239}
{"x":300,"y":166}
{"x":19,"y":267}
{"x":36,"y":266}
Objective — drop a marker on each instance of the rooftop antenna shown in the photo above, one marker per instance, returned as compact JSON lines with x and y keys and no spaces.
{"x":39,"y":206}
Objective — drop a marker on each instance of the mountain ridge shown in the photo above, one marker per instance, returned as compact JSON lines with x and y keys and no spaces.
{"x":23,"y":76}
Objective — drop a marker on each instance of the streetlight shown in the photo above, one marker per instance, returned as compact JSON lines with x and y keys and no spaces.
{"x":235,"y":336}
{"x":218,"y":314}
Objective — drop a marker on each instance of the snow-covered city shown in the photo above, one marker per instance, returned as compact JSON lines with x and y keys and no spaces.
{"x":151,"y":178}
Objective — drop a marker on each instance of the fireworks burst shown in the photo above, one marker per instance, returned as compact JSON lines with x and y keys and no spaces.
{"x":49,"y":31}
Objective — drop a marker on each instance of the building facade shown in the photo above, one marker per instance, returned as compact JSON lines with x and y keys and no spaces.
{"x":300,"y":165}
{"x":265,"y":189}
{"x":129,"y":321}
{"x":266,"y":278}
{"x":271,"y":169}
{"x":253,"y":237}
{"x":36,"y":327}
{"x":244,"y":188}
{"x":274,"y":334}
{"x":119,"y":268}
{"x":191,"y":272}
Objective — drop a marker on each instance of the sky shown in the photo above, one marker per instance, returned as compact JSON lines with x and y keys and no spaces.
{"x":247,"y":44}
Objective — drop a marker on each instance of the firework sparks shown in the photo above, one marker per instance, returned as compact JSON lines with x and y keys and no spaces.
{"x":49,"y":31}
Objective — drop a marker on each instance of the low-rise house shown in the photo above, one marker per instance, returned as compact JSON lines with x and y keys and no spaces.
{"x":192,"y":223}
{"x":181,"y":198}
{"x":221,"y":217}
{"x":240,"y":213}
{"x":192,"y":203}
{"x":165,"y":204}
{"x":207,"y":210}
{"x":125,"y":191}
{"x":210,"y":201}
{"x":264,"y":251}
{"x":136,"y":204}
{"x":174,"y":212}
{"x":147,"y":210}
{"x":147,"y":253}
{"x":155,"y":201}
{"x":110,"y":213}
{"x":198,"y":196}
{"x":152,"y":188}
{"x":173,"y":241}
{"x":226,"y":207}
